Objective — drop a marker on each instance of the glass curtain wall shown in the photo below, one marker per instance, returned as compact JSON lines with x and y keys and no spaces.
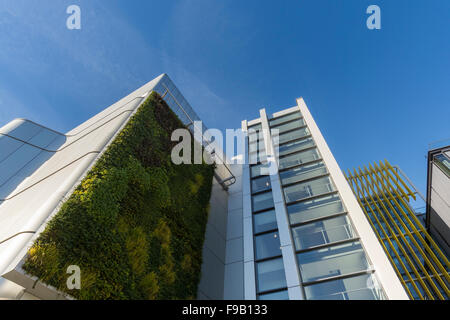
{"x":331,"y":259}
{"x":269,"y":267}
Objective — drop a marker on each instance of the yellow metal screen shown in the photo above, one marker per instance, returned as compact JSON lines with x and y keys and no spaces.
{"x":385,"y":198}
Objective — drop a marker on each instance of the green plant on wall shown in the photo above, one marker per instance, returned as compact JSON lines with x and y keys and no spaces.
{"x":135,"y":225}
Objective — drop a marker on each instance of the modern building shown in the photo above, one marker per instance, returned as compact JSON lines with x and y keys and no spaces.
{"x":283,"y":220}
{"x":295,"y":229}
{"x":386,"y":199}
{"x":438,"y":196}
{"x":40,"y":168}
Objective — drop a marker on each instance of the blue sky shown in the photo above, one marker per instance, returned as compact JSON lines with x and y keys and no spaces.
{"x":374,"y":94}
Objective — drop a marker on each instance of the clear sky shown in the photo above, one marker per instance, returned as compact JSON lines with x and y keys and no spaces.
{"x":375,"y":94}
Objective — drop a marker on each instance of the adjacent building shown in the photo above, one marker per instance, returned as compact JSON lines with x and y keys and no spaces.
{"x":40,"y":168}
{"x":438,"y":196}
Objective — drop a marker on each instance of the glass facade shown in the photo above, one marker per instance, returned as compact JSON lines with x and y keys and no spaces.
{"x":270,"y":275}
{"x":303,"y":173}
{"x":298,"y":159}
{"x":315,"y":209}
{"x":322,"y":232}
{"x":353,"y":288}
{"x":308,"y":189}
{"x":295,"y":146}
{"x":269,"y":268}
{"x":264,"y":221}
{"x":332,"y":261}
{"x":330,"y":258}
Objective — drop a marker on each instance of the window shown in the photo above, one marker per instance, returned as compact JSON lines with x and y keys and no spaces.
{"x":261,"y":184}
{"x":256,"y":157}
{"x":332,"y":261}
{"x":288,"y":117}
{"x":443,"y":162}
{"x":322,"y":232}
{"x":308,"y":189}
{"x":258,"y":170}
{"x":270,"y":275}
{"x":267,"y":245}
{"x":295,"y":146}
{"x":255,"y":127}
{"x":279,"y":295}
{"x":302,"y":173}
{"x":297,"y":134}
{"x":255,"y":135}
{"x":289,"y":126}
{"x":264,"y":221}
{"x":298,"y":159}
{"x":314,"y":209}
{"x":256,"y":146}
{"x":262,"y":201}
{"x":354,"y":288}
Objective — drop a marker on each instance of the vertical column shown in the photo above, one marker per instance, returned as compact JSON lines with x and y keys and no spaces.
{"x":295,"y":290}
{"x":249,"y":257}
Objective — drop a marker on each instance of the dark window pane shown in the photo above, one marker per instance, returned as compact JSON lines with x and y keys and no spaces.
{"x":279,"y":295}
{"x":260,"y":184}
{"x":270,"y":275}
{"x":264,"y":221}
{"x":262,"y":201}
{"x":267,"y":245}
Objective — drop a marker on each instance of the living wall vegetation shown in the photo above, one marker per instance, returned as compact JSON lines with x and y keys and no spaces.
{"x":135,"y":225}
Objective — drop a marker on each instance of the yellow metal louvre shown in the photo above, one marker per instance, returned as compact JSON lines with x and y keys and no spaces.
{"x":420,"y":264}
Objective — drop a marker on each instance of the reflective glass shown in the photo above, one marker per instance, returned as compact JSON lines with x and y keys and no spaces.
{"x":264,"y":221}
{"x":255,"y":157}
{"x":298,"y":159}
{"x":443,"y":162}
{"x":314,"y":209}
{"x":262,"y":201}
{"x":302,"y":173}
{"x":255,"y":146}
{"x":279,"y":295}
{"x":322,"y":232}
{"x":361,"y":287}
{"x":267,"y":245}
{"x":297,"y":134}
{"x":255,"y":170}
{"x":260,"y":184}
{"x":297,"y":145}
{"x":255,"y":127}
{"x":332,"y":261}
{"x":270,"y":275}
{"x":289,"y":126}
{"x":308,"y":189}
{"x":288,"y":117}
